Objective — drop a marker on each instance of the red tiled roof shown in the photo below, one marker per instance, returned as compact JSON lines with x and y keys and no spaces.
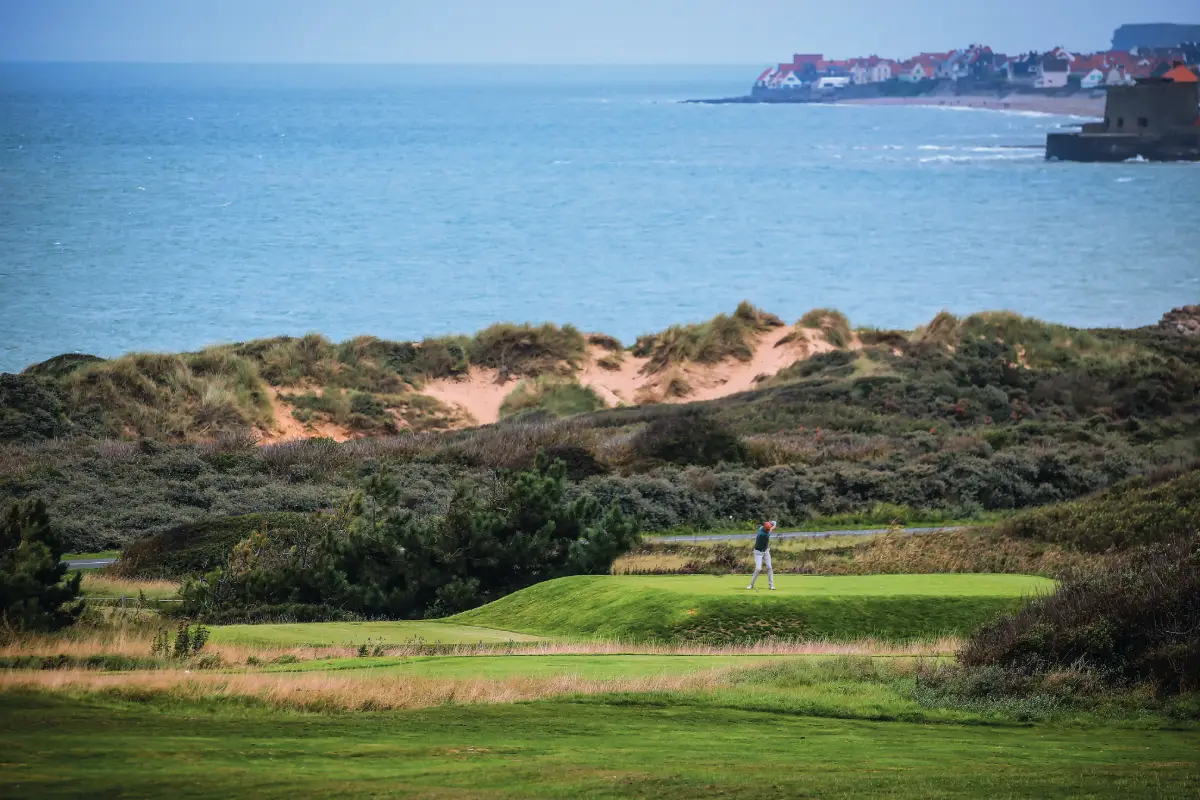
{"x":1181,"y":74}
{"x":807,"y":58}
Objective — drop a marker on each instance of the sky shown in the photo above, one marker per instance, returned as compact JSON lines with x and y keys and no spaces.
{"x":552,"y":31}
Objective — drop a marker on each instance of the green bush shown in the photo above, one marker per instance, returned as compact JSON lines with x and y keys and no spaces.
{"x":35,"y":592}
{"x":834,"y":326}
{"x":379,"y":559}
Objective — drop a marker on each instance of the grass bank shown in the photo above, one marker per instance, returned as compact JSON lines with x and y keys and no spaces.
{"x":719,"y":610}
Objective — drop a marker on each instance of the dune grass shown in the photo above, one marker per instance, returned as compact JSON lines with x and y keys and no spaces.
{"x":719,"y":609}
{"x":562,"y":397}
{"x":322,"y":634}
{"x":722,"y":337}
{"x":657,"y":746}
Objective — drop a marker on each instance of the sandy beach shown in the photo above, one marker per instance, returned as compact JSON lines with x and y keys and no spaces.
{"x":1079,"y":105}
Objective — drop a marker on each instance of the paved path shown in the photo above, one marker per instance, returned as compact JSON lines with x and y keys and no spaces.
{"x":90,"y":563}
{"x":734,"y":537}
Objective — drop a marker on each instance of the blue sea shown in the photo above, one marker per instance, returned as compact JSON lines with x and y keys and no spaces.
{"x":166,"y":208}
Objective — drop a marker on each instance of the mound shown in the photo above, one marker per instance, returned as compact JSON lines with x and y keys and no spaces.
{"x":718,"y":610}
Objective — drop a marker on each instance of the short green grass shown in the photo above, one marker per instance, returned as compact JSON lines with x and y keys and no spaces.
{"x":505,"y":666}
{"x":719,"y":609}
{"x":92,"y":556}
{"x":329,"y":634}
{"x":617,"y":747}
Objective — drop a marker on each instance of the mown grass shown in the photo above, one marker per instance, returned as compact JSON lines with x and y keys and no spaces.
{"x":666,"y":745}
{"x":719,"y":610}
{"x":321,"y":634}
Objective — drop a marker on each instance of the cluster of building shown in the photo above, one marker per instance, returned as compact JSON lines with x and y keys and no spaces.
{"x":1056,"y":69}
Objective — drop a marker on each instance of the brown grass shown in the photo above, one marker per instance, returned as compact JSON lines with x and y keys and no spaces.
{"x":104,"y":585}
{"x":343,"y":692}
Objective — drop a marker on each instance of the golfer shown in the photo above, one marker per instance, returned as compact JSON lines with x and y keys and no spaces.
{"x":762,"y":552}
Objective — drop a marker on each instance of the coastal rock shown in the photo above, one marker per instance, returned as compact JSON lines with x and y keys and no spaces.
{"x":1183,"y":321}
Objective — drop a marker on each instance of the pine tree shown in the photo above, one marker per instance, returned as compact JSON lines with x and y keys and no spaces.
{"x":35,"y":594}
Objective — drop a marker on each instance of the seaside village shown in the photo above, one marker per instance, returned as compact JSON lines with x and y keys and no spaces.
{"x":981,"y":68}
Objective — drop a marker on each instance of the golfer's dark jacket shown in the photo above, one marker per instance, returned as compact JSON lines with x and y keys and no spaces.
{"x":762,"y":541}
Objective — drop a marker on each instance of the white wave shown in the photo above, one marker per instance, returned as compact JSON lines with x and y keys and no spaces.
{"x":933,"y":147}
{"x":1136,"y":160}
{"x":1124,"y":180}
{"x":945,"y":159}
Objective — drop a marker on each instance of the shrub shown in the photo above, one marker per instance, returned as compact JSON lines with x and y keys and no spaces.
{"x":381,"y":560}
{"x":1133,"y":513}
{"x":1134,"y":622}
{"x":33,"y":593}
{"x":692,"y":437}
{"x":31,"y":409}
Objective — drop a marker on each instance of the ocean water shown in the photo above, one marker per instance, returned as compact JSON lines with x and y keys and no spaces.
{"x":167,"y":208}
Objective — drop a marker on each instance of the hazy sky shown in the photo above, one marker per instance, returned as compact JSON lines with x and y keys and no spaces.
{"x":551,"y":31}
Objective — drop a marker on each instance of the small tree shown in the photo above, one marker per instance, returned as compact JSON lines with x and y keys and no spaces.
{"x":35,"y":594}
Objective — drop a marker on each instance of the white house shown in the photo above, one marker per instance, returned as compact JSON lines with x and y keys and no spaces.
{"x":1052,"y":73}
{"x":790,"y":80}
{"x":881,"y":72}
{"x":832,"y":83}
{"x":1093,"y":79}
{"x":860,"y":73}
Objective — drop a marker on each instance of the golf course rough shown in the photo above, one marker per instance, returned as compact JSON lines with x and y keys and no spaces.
{"x":720,"y":610}
{"x":333,"y":634}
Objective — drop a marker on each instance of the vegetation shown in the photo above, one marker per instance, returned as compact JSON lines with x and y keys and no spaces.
{"x":322,"y":634}
{"x":560,"y":397}
{"x":35,"y":594}
{"x":722,"y":337}
{"x":830,"y":721}
{"x":1134,"y":623}
{"x":833,"y":325}
{"x":526,"y":351}
{"x":961,"y":419}
{"x":1137,"y":512}
{"x":719,"y":610}
{"x":377,"y":558}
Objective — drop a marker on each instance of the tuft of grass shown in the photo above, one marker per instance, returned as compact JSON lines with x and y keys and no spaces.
{"x":561,"y":397}
{"x":606,"y":342}
{"x":834,"y":326}
{"x":723,"y":337}
{"x":526,"y":350}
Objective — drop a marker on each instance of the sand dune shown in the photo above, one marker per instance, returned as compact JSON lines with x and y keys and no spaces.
{"x":477,"y":397}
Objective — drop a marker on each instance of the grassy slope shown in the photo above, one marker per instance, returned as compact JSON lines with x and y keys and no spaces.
{"x":320,"y":634}
{"x":61,"y":747}
{"x":718,"y":609}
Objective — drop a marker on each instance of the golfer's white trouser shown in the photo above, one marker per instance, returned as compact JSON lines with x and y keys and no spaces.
{"x":759,"y":557}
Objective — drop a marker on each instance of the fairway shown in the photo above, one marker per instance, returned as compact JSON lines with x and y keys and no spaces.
{"x":583,"y":666}
{"x":95,"y":747}
{"x":954,"y":585}
{"x":720,"y":610}
{"x":332,"y":634}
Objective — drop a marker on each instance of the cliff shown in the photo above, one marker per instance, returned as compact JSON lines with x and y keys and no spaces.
{"x":1128,"y":37}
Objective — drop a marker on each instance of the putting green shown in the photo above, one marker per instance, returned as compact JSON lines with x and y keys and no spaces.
{"x":953,"y":585}
{"x":720,"y":610}
{"x":330,"y":634}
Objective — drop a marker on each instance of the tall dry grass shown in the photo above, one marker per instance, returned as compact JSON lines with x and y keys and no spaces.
{"x":342,"y":691}
{"x":136,"y":643}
